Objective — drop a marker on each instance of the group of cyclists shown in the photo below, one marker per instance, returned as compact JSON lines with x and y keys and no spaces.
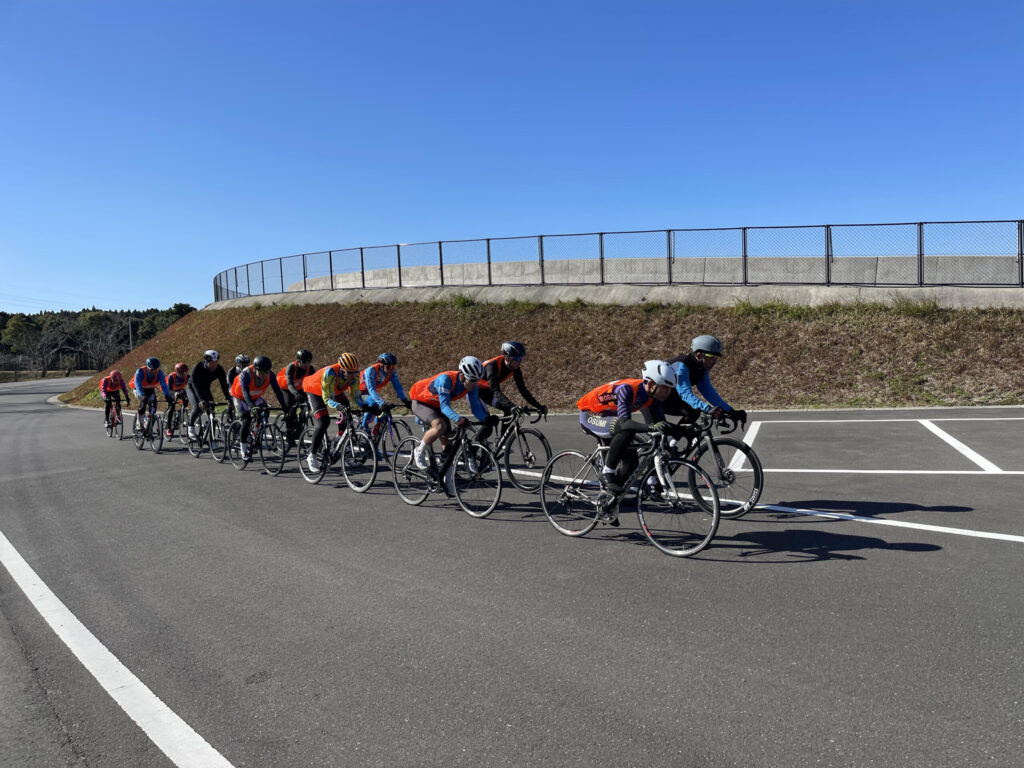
{"x":680,"y":386}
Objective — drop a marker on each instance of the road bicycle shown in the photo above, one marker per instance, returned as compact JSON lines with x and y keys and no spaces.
{"x":523,"y":451}
{"x":114,"y":424}
{"x":676,"y":501}
{"x":264,"y":438}
{"x":386,"y":433}
{"x":731,"y":464}
{"x":298,"y":416}
{"x":176,"y":418}
{"x":150,"y":429}
{"x":209,"y":433}
{"x":350,"y":448}
{"x":467,"y":470}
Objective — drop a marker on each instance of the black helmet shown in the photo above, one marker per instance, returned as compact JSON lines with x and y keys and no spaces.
{"x":387,"y":358}
{"x":153,"y":362}
{"x":242,"y":360}
{"x":262,"y":363}
{"x":513,"y":350}
{"x":304,"y":356}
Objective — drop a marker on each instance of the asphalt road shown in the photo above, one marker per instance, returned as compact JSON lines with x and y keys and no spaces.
{"x":292,"y":625}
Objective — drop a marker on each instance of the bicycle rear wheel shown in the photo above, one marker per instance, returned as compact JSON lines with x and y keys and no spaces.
{"x":358,"y":460}
{"x":680,"y":520}
{"x":272,"y":449}
{"x":477,"y":479}
{"x":526,"y":455}
{"x":736,"y":471}
{"x":411,"y":482}
{"x":391,"y":438}
{"x":569,"y":493}
{"x":303,"y":449}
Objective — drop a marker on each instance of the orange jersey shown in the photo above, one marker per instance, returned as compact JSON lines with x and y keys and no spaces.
{"x":421,"y":389}
{"x":255,"y":390}
{"x":604,"y":400}
{"x":314,"y":382}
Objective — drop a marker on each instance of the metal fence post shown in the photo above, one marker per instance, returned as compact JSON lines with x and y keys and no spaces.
{"x":1020,"y":253}
{"x":304,"y":272}
{"x":398,"y":251}
{"x":236,"y":282}
{"x":330,"y":266}
{"x":489,"y":261}
{"x":280,"y":266}
{"x":920,"y":254}
{"x":540,"y":256}
{"x":263,"y":278}
{"x":440,"y":261}
{"x":668,"y":254}
{"x":743,"y":257}
{"x":362,"y":268}
{"x":828,"y":254}
{"x":600,"y":255}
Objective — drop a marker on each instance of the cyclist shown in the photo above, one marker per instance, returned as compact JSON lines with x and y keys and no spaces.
{"x":289,"y":379}
{"x":147,"y":378}
{"x":693,"y":369}
{"x":247,"y":390}
{"x":177,"y":382}
{"x":205,"y":372}
{"x":605,"y":414}
{"x":330,"y":387}
{"x":432,"y":400}
{"x":375,"y":378}
{"x":111,"y":387}
{"x":497,"y":370}
{"x":241,"y":362}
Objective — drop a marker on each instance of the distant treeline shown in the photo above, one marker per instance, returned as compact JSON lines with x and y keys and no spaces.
{"x":90,"y":339}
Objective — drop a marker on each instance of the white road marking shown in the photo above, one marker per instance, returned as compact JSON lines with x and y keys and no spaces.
{"x":42,"y":473}
{"x":899,"y":471}
{"x":893,"y":523}
{"x":889,"y":421}
{"x":739,"y":457}
{"x":174,"y":737}
{"x":971,"y":454}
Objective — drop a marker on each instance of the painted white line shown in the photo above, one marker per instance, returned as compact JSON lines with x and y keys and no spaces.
{"x":971,"y":454}
{"x":893,"y":523}
{"x":738,"y":458}
{"x":897,"y":471}
{"x":41,"y":474}
{"x":175,"y":738}
{"x":889,"y":421}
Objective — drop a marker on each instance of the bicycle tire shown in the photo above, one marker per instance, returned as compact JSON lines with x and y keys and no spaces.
{"x":156,"y":433}
{"x":526,"y":455}
{"x":358,"y":460}
{"x":195,"y":446}
{"x":411,"y":483}
{"x":234,"y":448}
{"x":119,"y":427}
{"x":477,"y":479}
{"x":138,"y":433}
{"x":568,"y":493}
{"x":737,"y":495}
{"x":273,"y":450}
{"x":302,"y":452}
{"x":391,"y":438}
{"x":219,"y":444}
{"x":683,"y":523}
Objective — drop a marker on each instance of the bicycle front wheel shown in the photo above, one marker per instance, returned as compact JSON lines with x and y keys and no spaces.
{"x":477,"y":479}
{"x":234,"y":446}
{"x":736,"y":472}
{"x":411,"y":482}
{"x":138,"y":433}
{"x":569,"y":493}
{"x":526,"y":455}
{"x":358,"y":461}
{"x":390,"y":439}
{"x":681,"y":519}
{"x":302,"y":452}
{"x":272,"y":449}
{"x":156,"y":433}
{"x":219,"y":441}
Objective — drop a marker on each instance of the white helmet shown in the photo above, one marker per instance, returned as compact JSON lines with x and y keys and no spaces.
{"x":659,"y":373}
{"x":471,"y":368}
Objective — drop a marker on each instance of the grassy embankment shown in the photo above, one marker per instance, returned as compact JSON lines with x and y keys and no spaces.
{"x":777,"y":356}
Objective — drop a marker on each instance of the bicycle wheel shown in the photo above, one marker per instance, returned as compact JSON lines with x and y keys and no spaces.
{"x":568,"y":493}
{"x":477,"y":479}
{"x":391,"y":438}
{"x":358,"y":461}
{"x":302,"y":452}
{"x":138,"y":433}
{"x":272,"y":449}
{"x":234,"y":446}
{"x":219,"y":442}
{"x":412,"y":483}
{"x":156,"y":433}
{"x":680,"y":520}
{"x":736,"y":472}
{"x":526,"y":455}
{"x":109,"y":426}
{"x":195,"y":446}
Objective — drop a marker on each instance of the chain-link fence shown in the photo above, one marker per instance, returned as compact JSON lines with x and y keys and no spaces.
{"x":968,"y":253}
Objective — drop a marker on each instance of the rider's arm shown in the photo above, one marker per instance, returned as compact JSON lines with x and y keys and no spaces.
{"x":289,"y":375}
{"x":709,"y":393}
{"x":492,"y":375}
{"x":517,"y":376}
{"x":277,"y":390}
{"x":685,"y":389}
{"x":624,"y":398}
{"x":371,"y":387}
{"x":162,"y":381}
{"x":443,"y":386}
{"x":223,"y":379}
{"x":137,"y":383}
{"x":357,"y":395}
{"x":397,"y":385}
{"x":477,"y":406}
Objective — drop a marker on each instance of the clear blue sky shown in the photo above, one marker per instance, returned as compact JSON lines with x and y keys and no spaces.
{"x":145,"y":146}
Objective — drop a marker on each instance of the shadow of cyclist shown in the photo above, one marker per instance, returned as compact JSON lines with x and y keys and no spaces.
{"x":797,"y":545}
{"x":846,"y":507}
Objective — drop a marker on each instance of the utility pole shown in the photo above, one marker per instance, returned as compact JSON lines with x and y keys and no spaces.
{"x":130,"y":345}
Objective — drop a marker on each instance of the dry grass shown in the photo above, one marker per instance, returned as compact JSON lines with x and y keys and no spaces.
{"x":777,"y":356}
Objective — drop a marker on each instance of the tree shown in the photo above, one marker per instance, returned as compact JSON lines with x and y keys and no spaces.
{"x":21,"y":334}
{"x":101,"y":337}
